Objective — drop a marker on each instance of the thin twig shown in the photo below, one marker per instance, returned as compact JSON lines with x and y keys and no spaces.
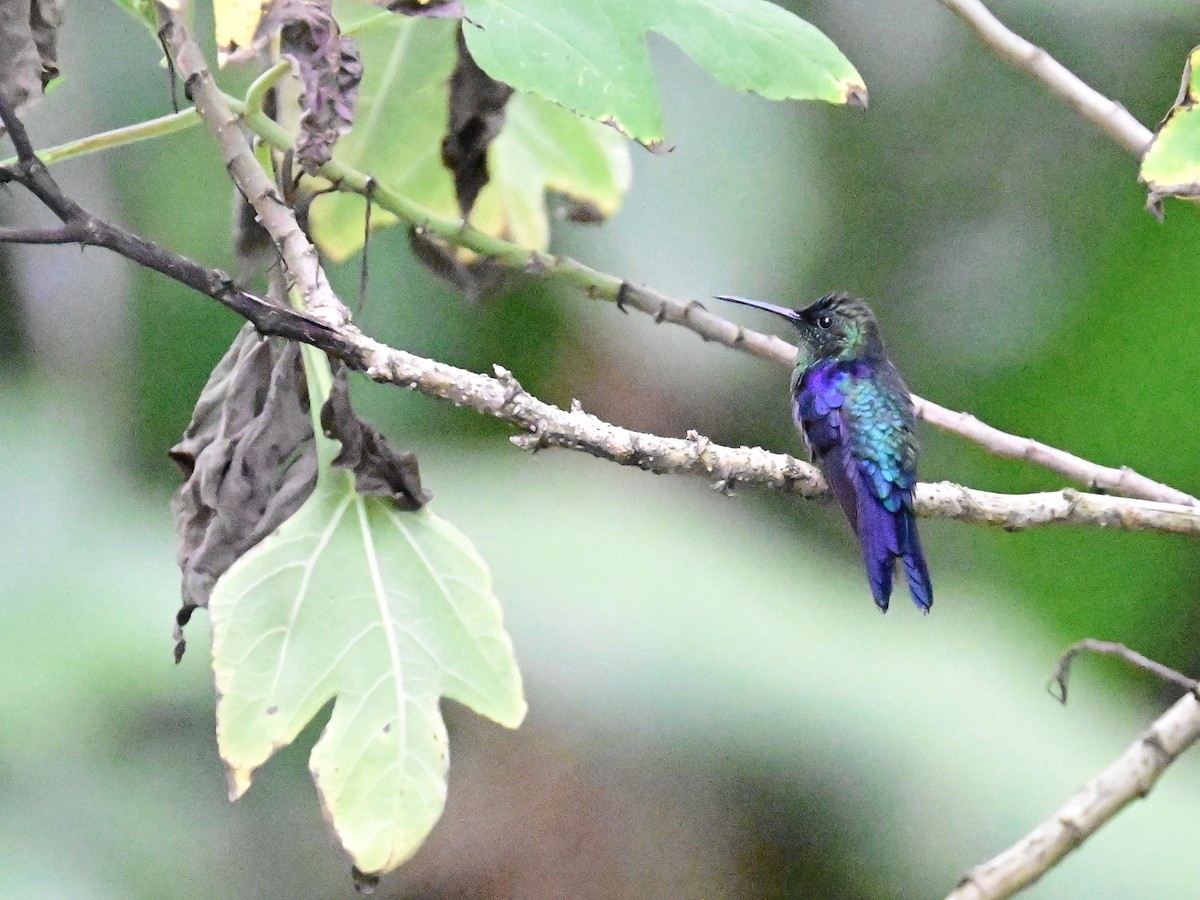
{"x":1122,"y":481}
{"x":276,"y":217}
{"x":1106,"y":114}
{"x":80,"y":227}
{"x":1128,"y":778}
{"x":1112,"y":648}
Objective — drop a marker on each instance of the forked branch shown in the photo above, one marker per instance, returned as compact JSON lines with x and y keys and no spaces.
{"x":1129,"y":778}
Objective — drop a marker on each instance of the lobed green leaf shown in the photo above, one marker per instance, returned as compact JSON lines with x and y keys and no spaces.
{"x":591,"y":57}
{"x":1171,"y":166}
{"x":384,"y":612}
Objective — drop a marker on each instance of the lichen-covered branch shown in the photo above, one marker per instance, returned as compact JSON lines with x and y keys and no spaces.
{"x":549,"y":426}
{"x":1129,"y":778}
{"x":1106,"y":114}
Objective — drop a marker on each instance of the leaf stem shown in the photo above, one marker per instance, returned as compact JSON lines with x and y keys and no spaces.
{"x":319,"y":377}
{"x":117,"y":137}
{"x":256,"y":94}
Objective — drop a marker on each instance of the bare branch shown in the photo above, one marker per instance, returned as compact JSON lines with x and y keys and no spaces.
{"x":1109,"y":116}
{"x":1129,"y":778}
{"x":696,"y":318}
{"x":63,"y":234}
{"x":275,"y":216}
{"x":1112,"y":648}
{"x":80,"y":226}
{"x":1123,"y":481}
{"x":546,"y":425}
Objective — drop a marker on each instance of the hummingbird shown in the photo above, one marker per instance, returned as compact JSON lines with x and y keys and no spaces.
{"x":856,"y":414}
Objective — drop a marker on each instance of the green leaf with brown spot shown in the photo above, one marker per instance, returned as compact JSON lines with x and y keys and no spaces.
{"x":591,"y":57}
{"x":1171,"y":167}
{"x":382,"y":610}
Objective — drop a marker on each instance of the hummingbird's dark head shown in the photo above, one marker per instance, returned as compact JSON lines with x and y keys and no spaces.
{"x":837,"y":326}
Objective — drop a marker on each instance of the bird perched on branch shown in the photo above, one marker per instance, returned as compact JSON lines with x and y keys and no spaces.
{"x":856,"y":414}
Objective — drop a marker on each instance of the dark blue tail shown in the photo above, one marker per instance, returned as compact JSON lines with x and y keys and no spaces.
{"x":887,"y":536}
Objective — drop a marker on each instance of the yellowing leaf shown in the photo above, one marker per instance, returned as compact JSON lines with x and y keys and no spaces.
{"x":236,"y":23}
{"x":383,"y":611}
{"x":401,"y":121}
{"x":1171,"y":167}
{"x":541,"y":148}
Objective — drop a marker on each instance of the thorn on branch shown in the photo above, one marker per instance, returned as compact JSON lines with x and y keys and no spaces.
{"x":512,"y":387}
{"x":725,"y":485}
{"x":537,"y":264}
{"x":190,"y":84}
{"x":623,"y":296}
{"x":699,"y":441}
{"x":1113,"y":648}
{"x":532,"y":441}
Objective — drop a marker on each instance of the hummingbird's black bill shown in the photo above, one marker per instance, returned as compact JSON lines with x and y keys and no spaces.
{"x":790,"y":314}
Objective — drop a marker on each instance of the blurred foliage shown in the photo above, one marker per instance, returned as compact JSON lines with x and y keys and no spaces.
{"x":401,"y":121}
{"x":1005,"y":245}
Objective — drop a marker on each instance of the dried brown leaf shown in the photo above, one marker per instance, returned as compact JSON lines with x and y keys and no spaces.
{"x":330,"y":72}
{"x":476,"y":116}
{"x":379,"y":469}
{"x":28,"y":48}
{"x":249,"y":460}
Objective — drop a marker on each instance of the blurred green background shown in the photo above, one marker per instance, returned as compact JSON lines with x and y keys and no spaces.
{"x":716,"y":708}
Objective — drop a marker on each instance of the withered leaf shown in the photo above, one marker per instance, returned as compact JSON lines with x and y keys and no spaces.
{"x":249,"y":460}
{"x":330,"y":72}
{"x":476,"y":116}
{"x":28,"y":48}
{"x":379,"y":469}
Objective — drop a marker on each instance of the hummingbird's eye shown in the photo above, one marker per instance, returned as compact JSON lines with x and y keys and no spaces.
{"x":825,"y":322}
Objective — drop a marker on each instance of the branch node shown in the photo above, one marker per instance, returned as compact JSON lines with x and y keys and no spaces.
{"x":700,"y":442}
{"x":512,"y":387}
{"x":725,"y":485}
{"x":531,"y":441}
{"x":1112,"y":648}
{"x":623,"y":296}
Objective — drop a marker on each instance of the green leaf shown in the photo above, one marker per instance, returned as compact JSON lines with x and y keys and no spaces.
{"x":399,"y":125}
{"x":545,"y":147}
{"x":143,"y":11}
{"x":592,"y":58}
{"x":1171,"y":167}
{"x":402,"y":118}
{"x":383,"y":611}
